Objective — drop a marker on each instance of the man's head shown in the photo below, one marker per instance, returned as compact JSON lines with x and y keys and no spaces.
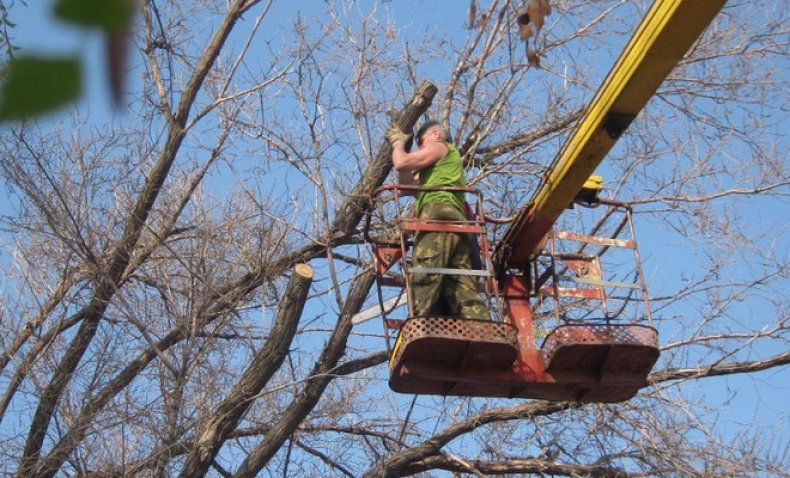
{"x":432,"y":130}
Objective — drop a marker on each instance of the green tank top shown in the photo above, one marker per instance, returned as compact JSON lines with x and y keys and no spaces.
{"x":448,"y":171}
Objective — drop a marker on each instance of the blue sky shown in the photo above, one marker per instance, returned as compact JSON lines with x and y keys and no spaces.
{"x":759,"y":398}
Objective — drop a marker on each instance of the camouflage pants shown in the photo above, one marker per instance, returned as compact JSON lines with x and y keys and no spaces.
{"x":434,"y":292}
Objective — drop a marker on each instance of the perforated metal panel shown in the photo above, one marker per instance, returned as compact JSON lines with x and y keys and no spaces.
{"x":458,"y":328}
{"x":601,"y":347}
{"x":586,"y":363}
{"x":600,"y":333}
{"x":455,"y":343}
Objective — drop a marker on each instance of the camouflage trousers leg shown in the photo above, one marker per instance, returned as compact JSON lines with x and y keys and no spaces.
{"x":445,"y":250}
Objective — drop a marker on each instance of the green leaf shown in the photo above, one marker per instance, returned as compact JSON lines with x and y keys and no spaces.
{"x":36,"y":85}
{"x":113,"y":16}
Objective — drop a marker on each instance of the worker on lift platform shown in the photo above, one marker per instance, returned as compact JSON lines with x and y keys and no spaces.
{"x":437,"y":163}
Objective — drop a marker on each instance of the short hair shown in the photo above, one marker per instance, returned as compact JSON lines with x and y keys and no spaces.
{"x":444,"y":130}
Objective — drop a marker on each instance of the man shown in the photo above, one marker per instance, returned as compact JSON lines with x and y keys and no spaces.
{"x":437,"y":163}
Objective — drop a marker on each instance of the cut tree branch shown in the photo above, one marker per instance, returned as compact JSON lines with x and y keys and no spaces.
{"x":264,"y":364}
{"x":319,"y":378}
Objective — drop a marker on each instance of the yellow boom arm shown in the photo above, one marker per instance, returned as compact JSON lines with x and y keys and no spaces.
{"x":666,"y":33}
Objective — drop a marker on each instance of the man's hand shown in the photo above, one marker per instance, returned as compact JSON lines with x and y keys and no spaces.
{"x":395,"y":136}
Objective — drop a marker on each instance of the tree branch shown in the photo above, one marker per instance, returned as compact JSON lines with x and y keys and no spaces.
{"x":264,"y":364}
{"x":428,"y":455}
{"x":397,"y":463}
{"x":320,"y":377}
{"x":347,"y":217}
{"x":720,"y":369}
{"x":112,"y":274}
{"x":486,"y":154}
{"x":448,"y":462}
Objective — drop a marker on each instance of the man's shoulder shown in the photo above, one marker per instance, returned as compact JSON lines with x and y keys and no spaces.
{"x":444,"y":148}
{"x":437,"y":151}
{"x":451,"y":151}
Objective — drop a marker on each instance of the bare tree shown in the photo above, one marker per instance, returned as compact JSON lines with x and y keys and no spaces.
{"x":179,"y":282}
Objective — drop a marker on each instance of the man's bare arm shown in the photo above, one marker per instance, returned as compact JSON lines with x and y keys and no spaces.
{"x":414,"y":161}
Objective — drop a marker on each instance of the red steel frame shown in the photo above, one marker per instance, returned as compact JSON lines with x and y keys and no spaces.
{"x":622,"y":357}
{"x":389,"y":252}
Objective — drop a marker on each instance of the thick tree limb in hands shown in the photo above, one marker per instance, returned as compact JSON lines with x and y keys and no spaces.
{"x":351,"y":212}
